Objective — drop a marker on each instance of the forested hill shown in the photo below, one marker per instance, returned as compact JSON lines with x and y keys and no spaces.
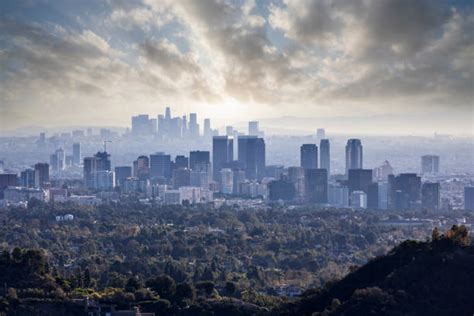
{"x":415,"y":278}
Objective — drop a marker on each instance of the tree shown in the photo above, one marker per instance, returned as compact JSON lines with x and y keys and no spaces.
{"x":132,"y":285}
{"x":163,"y":285}
{"x":435,"y":234}
{"x":185,"y":291}
{"x":230,"y":288}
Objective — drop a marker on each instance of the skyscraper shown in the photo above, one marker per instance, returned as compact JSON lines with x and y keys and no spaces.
{"x":27,"y":178}
{"x":469,"y":198}
{"x":76,"y":154}
{"x":207,"y":128}
{"x":58,"y":160}
{"x":121,"y":174}
{"x":353,"y":155}
{"x":324,"y":154}
{"x":316,"y":185}
{"x":160,"y":166}
{"x":404,"y":191}
{"x":97,"y":171}
{"x":222,"y":154}
{"x":181,"y":162}
{"x":226,"y":181}
{"x":198,"y":157}
{"x":430,"y":196}
{"x":141,"y":125}
{"x":320,"y":134}
{"x":309,"y":156}
{"x":193,"y":126}
{"x":253,"y":128}
{"x":252,"y":156}
{"x":429,"y":164}
{"x":7,"y":180}
{"x":41,"y":175}
{"x":141,"y":168}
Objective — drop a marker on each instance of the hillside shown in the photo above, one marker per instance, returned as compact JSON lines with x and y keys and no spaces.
{"x":415,"y":278}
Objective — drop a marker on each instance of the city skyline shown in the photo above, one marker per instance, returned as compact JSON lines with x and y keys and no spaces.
{"x":407,"y":67}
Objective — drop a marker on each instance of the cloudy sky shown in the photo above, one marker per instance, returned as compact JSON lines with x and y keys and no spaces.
{"x":69,"y":62}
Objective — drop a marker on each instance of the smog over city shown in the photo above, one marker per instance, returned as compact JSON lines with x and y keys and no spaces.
{"x":236,"y":157}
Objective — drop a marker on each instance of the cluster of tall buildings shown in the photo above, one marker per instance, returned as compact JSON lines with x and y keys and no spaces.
{"x":236,"y":165}
{"x":168,"y":127}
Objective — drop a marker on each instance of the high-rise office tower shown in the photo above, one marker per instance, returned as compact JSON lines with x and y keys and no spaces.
{"x":404,"y":191}
{"x":181,"y":178}
{"x":381,"y":173}
{"x":353,"y":155}
{"x":7,"y":180}
{"x":121,"y":174}
{"x":429,"y":164}
{"x":309,"y":156}
{"x":316,"y":185}
{"x":184,"y":126}
{"x":238,"y":178}
{"x":324,"y":155}
{"x":27,"y":178}
{"x":141,"y":125}
{"x":359,"y":180}
{"x":198,"y":157}
{"x":41,"y":175}
{"x":469,"y":198}
{"x":97,"y":171}
{"x":160,"y":166}
{"x":251,"y":153}
{"x":58,"y":160}
{"x":193,"y":126}
{"x":222,"y":154}
{"x":168,"y":113}
{"x":207,"y":128}
{"x":320,"y":134}
{"x":226,"y":181}
{"x":282,"y":189}
{"x":141,"y":168}
{"x":253,"y":128}
{"x":181,"y":162}
{"x":296,"y":176}
{"x":358,"y":199}
{"x":229,"y":130}
{"x":76,"y":154}
{"x":89,"y":167}
{"x":430,"y":196}
{"x":103,"y":162}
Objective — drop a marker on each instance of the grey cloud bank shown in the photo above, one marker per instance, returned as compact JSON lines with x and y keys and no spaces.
{"x":245,"y":58}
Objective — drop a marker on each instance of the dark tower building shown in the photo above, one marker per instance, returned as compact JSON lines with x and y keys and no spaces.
{"x":181,"y":162}
{"x":316,"y":185}
{"x":373,"y":196}
{"x":27,"y":178}
{"x":222,"y":154}
{"x":324,"y":155}
{"x":353,"y":155}
{"x":281,"y":190}
{"x":89,"y":167}
{"x":404,"y":191}
{"x":121,"y":174}
{"x":181,"y":177}
{"x":41,"y":175}
{"x":141,"y":168}
{"x":7,"y":180}
{"x":198,"y":158}
{"x":160,"y":166}
{"x":430,"y":196}
{"x":309,"y":156}
{"x":252,"y":156}
{"x":469,"y":198}
{"x":76,"y":154}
